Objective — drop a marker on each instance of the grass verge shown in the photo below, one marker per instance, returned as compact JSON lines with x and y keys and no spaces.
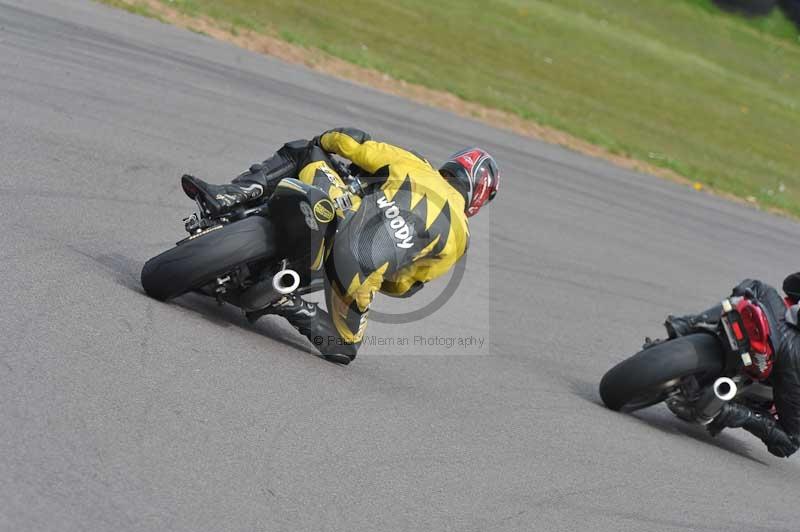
{"x":137,"y":8}
{"x":675,"y":85}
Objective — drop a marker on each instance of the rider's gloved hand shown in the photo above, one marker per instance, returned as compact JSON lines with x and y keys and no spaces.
{"x":780,"y":444}
{"x":760,"y":424}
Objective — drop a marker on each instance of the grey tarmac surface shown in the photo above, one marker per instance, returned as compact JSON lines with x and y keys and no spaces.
{"x":121,"y":413}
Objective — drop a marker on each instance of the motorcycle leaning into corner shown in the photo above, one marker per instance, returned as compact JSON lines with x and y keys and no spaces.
{"x":697,"y":374}
{"x":384,"y":222}
{"x":250,"y":257}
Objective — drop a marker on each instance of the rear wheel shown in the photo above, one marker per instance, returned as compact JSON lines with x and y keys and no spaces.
{"x":198,"y":261}
{"x":648,"y":376}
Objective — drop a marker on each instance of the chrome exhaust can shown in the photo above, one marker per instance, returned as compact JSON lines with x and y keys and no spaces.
{"x":268,"y":291}
{"x":286,"y":281}
{"x":709,"y":405}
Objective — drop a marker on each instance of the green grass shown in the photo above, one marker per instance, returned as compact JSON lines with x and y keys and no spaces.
{"x":676,"y":83}
{"x":136,"y":9}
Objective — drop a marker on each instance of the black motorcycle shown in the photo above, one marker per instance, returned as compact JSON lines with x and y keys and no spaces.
{"x":695,"y":374}
{"x":252,"y":256}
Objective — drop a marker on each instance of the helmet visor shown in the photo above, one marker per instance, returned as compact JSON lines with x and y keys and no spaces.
{"x":486,"y":177}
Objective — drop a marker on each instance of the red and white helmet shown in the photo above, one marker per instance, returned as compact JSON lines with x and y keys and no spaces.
{"x":474,"y":173}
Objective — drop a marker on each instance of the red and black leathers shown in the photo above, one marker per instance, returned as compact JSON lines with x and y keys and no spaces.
{"x":782,"y":436}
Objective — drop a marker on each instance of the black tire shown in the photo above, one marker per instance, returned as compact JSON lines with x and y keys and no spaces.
{"x":194,"y":263}
{"x":646,"y":377}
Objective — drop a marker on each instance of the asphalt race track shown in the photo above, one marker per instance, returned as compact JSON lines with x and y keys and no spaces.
{"x":121,"y":413}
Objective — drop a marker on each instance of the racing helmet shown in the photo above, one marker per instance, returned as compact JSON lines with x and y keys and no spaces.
{"x":474,"y":173}
{"x":791,"y":287}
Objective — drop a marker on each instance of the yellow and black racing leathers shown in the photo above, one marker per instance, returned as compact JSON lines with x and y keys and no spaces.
{"x":406,"y":228}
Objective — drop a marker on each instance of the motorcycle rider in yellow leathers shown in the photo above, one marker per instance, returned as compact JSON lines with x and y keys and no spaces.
{"x":403,"y":224}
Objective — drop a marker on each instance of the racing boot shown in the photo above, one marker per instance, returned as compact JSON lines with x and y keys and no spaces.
{"x":682,"y":325}
{"x":258,"y":182}
{"x":299,"y":312}
{"x":220,"y":199}
{"x":761,"y":425}
{"x":313,"y":323}
{"x":731,"y":415}
{"x":691,"y":323}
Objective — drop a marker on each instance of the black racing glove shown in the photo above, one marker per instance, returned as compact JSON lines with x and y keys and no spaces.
{"x":781,"y":444}
{"x":760,"y":424}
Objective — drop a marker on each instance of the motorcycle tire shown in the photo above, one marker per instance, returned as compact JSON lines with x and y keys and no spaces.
{"x":197,"y":261}
{"x":645,"y":378}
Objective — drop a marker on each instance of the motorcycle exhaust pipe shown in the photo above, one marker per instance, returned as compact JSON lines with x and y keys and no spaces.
{"x":268,"y":291}
{"x":725,"y":389}
{"x":722,"y":391}
{"x":286,"y":281}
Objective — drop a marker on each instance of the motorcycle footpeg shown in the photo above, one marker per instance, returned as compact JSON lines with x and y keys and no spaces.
{"x":649,"y":342}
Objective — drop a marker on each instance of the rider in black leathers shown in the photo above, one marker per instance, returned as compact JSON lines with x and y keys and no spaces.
{"x":781,"y":435}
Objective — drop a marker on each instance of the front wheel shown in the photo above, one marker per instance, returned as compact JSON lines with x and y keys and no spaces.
{"x":647,"y":377}
{"x":198,"y":261}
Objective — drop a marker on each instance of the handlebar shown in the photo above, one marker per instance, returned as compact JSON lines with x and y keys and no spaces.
{"x":352,"y":182}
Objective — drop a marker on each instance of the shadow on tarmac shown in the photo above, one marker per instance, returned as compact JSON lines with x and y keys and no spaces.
{"x":660,"y":419}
